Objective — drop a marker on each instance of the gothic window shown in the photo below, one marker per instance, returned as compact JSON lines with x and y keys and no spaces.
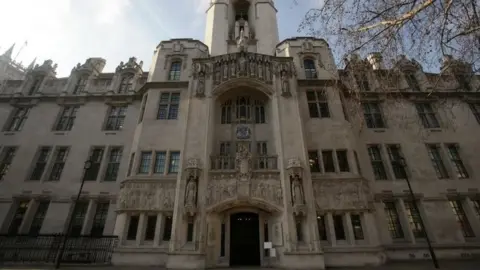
{"x":17,"y":119}
{"x":373,"y":115}
{"x":37,"y":220}
{"x":310,"y":69}
{"x":36,"y":85}
{"x":145,"y":161}
{"x":322,"y":228}
{"x":459,"y":167}
{"x":318,"y":104}
{"x":60,"y":159}
{"x":175,"y":71}
{"x":80,"y":84}
{"x":18,"y":217}
{"x":393,"y":220}
{"x":357,"y":227}
{"x":414,"y":219}
{"x":150,"y":228}
{"x":79,"y":213}
{"x":99,"y":219}
{"x":462,"y":219}
{"x":174,"y":164}
{"x":343,"y":161}
{"x":41,"y":162}
{"x":299,"y":229}
{"x":126,"y":84}
{"x":427,"y":115}
{"x":160,"y":158}
{"x":66,"y":118}
{"x":314,"y":161}
{"x":95,"y":158}
{"x":328,"y":164}
{"x":437,"y":161}
{"x":362,"y":81}
{"x":339,"y":227}
{"x":241,"y":10}
{"x":113,"y":165}
{"x":395,"y":155}
{"x":242,"y":109}
{"x":168,"y":107}
{"x":7,"y":156}
{"x":133,"y":227}
{"x":376,"y":160}
{"x":412,"y":80}
{"x":116,"y":118}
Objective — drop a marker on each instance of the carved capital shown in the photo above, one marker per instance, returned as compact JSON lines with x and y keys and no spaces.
{"x":295,"y":168}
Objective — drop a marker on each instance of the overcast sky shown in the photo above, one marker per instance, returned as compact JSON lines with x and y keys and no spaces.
{"x":70,"y":31}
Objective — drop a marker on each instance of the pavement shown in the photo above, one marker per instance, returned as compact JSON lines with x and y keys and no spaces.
{"x":419,"y":265}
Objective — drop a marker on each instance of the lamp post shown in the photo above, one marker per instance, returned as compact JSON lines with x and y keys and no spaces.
{"x":401,"y":162}
{"x":58,"y":260}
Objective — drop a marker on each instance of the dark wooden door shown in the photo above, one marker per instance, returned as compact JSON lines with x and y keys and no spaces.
{"x":244,"y":239}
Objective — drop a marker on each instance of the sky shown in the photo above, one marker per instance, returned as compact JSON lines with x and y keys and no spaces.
{"x":70,"y":31}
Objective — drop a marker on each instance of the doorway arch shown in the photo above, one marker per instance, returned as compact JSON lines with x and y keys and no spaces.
{"x":244,"y":239}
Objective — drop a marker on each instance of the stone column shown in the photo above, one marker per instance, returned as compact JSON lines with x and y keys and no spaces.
{"x":349,"y":229}
{"x":352,"y":162}
{"x":88,"y":221}
{"x":28,"y":217}
{"x":158,"y":230}
{"x":402,"y":213}
{"x":141,"y":229}
{"x":120,"y":227}
{"x":370,"y":230}
{"x":331,"y":230}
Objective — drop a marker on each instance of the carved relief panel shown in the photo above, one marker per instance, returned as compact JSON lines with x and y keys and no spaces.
{"x":341,"y":194}
{"x":146,"y":196}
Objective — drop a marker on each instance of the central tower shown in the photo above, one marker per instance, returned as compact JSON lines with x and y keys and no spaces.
{"x":249,"y":25}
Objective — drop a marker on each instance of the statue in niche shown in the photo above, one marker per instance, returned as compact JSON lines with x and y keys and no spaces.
{"x":191,"y":192}
{"x":268,"y":74}
{"x":243,"y":64}
{"x":260,"y":71}
{"x":252,"y":68}
{"x":285,"y":83}
{"x":297,"y":191}
{"x":233,"y":68}
{"x":225,"y":70}
{"x":200,"y":85}
{"x":217,"y":72}
{"x":242,"y":41}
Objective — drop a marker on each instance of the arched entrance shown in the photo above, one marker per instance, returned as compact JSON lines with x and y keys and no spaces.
{"x":244,"y":239}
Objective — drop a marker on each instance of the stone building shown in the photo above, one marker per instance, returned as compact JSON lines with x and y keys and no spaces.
{"x":245,"y":150}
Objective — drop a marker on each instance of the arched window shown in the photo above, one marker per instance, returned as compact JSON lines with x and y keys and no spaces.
{"x":126,"y":84}
{"x":81,"y":84}
{"x":175,"y":71}
{"x":310,"y":69}
{"x":243,"y":110}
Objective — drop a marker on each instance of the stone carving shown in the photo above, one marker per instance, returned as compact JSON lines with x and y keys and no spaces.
{"x":243,"y":160}
{"x":191,"y":192}
{"x":243,"y":132}
{"x":191,"y":188}
{"x":200,"y":91}
{"x":146,"y":196}
{"x":242,"y":42}
{"x":341,"y":194}
{"x":243,"y":65}
{"x":221,"y":190}
{"x":285,"y":82}
{"x":297,"y":191}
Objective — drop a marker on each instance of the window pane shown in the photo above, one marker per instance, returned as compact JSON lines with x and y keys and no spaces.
{"x":339,"y":228}
{"x":167,"y":231}
{"x":145,"y":161}
{"x":132,"y":228}
{"x":150,"y":230}
{"x":174,"y":162}
{"x":160,"y":158}
{"x":328,"y":164}
{"x":357,"y":227}
{"x":322,"y":231}
{"x":343,"y":160}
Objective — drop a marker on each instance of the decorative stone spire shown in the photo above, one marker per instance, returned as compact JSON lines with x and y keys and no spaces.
{"x":8,"y":53}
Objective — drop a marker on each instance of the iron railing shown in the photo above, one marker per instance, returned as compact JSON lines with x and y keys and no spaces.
{"x":43,"y":249}
{"x":222,"y":163}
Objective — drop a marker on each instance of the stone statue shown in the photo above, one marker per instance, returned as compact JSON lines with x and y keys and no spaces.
{"x":297,"y":192}
{"x":200,"y":92}
{"x":285,"y":83}
{"x":252,"y":68}
{"x":237,"y":29}
{"x":243,"y":64}
{"x":225,"y":70}
{"x":246,"y":29}
{"x":191,"y":192}
{"x":242,"y":42}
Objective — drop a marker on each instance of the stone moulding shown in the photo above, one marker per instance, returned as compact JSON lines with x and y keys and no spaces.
{"x":146,"y":195}
{"x":342,"y":194}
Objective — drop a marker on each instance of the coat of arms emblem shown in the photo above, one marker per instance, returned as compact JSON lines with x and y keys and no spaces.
{"x":243,"y":132}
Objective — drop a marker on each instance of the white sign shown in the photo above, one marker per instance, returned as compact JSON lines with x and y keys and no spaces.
{"x":267,"y":245}
{"x":273,"y":253}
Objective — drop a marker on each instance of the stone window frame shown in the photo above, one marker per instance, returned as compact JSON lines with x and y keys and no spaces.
{"x":457,"y":163}
{"x":375,"y":114}
{"x":152,"y":162}
{"x":170,"y":106}
{"x":310,"y":73}
{"x":119,"y":117}
{"x":29,"y":217}
{"x":69,"y":112}
{"x":7,"y":160}
{"x":36,"y":161}
{"x":465,"y":224}
{"x":175,"y":70}
{"x":398,"y":171}
{"x":13,"y":116}
{"x":55,"y":162}
{"x":348,"y":229}
{"x":428,"y":114}
{"x":252,"y":105}
{"x":107,"y":163}
{"x":126,"y":83}
{"x":336,"y":166}
{"x":81,"y":83}
{"x":437,"y":160}
{"x":320,"y":99}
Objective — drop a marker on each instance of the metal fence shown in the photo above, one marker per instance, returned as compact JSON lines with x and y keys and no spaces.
{"x":43,"y":249}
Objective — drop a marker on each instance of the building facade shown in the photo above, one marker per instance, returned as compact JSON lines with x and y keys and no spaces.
{"x":245,"y":150}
